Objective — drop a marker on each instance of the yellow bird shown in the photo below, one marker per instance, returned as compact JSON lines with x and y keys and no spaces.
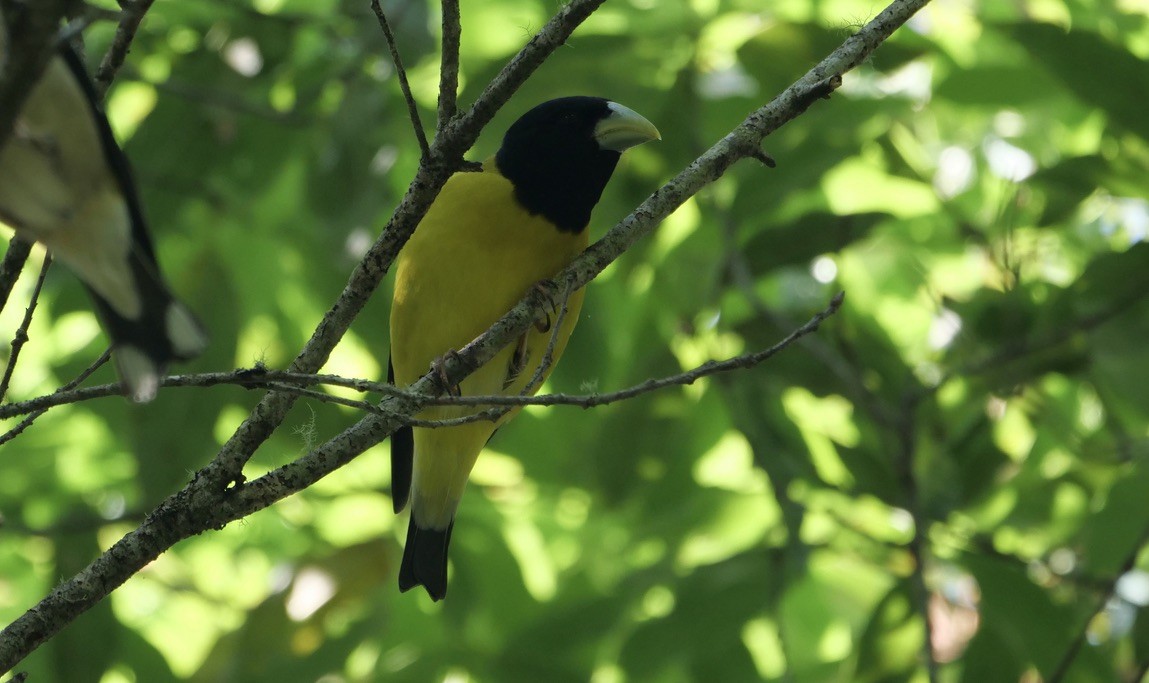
{"x":64,"y":182}
{"x":490,"y":237}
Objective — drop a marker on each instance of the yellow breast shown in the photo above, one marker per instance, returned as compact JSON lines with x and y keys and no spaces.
{"x":473,"y":257}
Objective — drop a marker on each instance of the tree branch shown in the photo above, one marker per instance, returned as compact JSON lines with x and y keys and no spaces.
{"x":130,"y":18}
{"x":712,"y":367}
{"x":209,"y":501}
{"x":21,"y":336}
{"x":112,"y":390}
{"x":404,"y":85}
{"x":294,"y":382}
{"x":449,"y":63}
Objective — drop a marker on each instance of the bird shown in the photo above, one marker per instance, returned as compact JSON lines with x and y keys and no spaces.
{"x":487,"y":240}
{"x":64,"y":182}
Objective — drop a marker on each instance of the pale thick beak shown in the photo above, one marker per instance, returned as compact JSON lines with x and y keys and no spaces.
{"x":624,"y":128}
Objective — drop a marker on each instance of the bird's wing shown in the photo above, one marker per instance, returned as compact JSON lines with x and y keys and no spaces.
{"x":402,"y":456}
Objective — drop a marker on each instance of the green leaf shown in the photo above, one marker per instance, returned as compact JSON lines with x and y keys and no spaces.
{"x":1024,"y":617}
{"x":1098,"y":71}
{"x":800,"y":241}
{"x":891,"y":643}
{"x":988,"y":85}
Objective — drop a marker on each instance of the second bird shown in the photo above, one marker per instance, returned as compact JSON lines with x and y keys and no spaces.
{"x":486,"y":241}
{"x":64,"y":182}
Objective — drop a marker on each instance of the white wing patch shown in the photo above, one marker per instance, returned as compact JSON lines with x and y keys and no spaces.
{"x":138,"y":373}
{"x":187,"y":337}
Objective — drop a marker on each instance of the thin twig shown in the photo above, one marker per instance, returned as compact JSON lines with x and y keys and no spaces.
{"x":27,"y":421}
{"x":449,"y":63}
{"x":89,"y":15}
{"x":130,"y":18}
{"x":412,"y":107}
{"x":713,"y":367}
{"x":21,"y":336}
{"x":294,"y":382}
{"x":248,"y":378}
{"x":321,"y":396}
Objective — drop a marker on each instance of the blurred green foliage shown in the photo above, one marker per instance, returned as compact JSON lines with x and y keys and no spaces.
{"x":978,"y":190}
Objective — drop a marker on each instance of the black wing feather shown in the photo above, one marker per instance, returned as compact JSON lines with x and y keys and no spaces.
{"x":402,"y":457}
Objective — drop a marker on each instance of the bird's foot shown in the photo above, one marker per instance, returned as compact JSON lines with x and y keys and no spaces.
{"x":517,"y":362}
{"x":439,"y":368}
{"x":548,"y":292}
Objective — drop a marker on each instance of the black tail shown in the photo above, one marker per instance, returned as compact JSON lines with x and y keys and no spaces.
{"x":402,"y":456}
{"x":425,"y":560}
